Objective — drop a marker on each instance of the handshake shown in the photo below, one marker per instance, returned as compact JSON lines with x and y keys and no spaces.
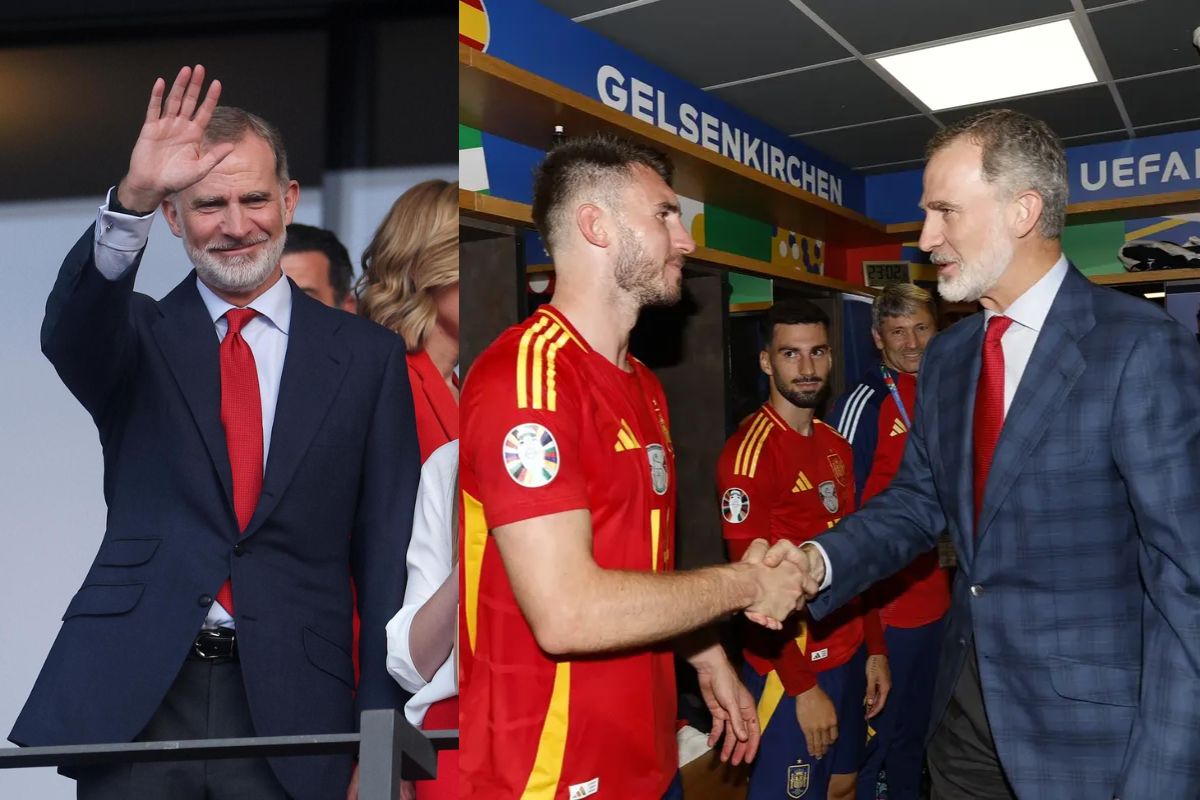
{"x":784,"y":576}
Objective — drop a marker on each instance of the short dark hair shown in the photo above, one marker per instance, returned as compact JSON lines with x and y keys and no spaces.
{"x":589,"y":168}
{"x":308,"y":239}
{"x":791,"y":312}
{"x":1019,"y":153}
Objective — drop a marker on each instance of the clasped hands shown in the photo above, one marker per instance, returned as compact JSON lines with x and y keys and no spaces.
{"x":785,"y":577}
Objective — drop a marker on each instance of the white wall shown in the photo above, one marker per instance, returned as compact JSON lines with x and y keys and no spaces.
{"x":50,"y":467}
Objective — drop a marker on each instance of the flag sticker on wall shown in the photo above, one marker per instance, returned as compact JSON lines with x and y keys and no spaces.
{"x":473,"y":28}
{"x":472,"y":165}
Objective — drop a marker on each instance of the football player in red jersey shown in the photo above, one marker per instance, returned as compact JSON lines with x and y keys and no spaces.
{"x":571,"y":613}
{"x":874,"y":416}
{"x":785,"y":475}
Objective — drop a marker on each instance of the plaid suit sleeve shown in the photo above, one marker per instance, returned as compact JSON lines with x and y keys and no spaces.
{"x":1156,"y":446}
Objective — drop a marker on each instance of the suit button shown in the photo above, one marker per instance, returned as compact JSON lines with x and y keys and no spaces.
{"x":205,"y":600}
{"x":976,"y":590}
{"x":238,"y":550}
{"x":962,"y":641}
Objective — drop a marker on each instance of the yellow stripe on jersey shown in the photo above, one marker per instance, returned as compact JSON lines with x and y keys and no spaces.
{"x":475,"y":536}
{"x":552,"y":745}
{"x":546,"y":312}
{"x":757,"y":450}
{"x":747,"y":445}
{"x":655,"y":526}
{"x":523,"y":362}
{"x":551,"y":394}
{"x":771,"y":695}
{"x":539,"y":347}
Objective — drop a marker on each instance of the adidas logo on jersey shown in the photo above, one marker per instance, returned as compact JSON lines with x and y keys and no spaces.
{"x":898,"y":428}
{"x":802,"y":484}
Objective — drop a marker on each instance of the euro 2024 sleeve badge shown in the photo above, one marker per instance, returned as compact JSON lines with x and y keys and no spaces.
{"x":531,"y":455}
{"x":735,"y":505}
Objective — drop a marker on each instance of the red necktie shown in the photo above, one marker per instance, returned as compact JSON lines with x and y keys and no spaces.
{"x":241,"y":414}
{"x":989,"y":405}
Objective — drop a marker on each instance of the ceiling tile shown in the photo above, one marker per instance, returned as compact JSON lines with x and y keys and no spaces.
{"x":1072,"y":112}
{"x":1163,"y":98}
{"x":1151,"y":36}
{"x":577,"y":8}
{"x":873,"y":26}
{"x":878,"y":143}
{"x":692,"y":38}
{"x":816,"y":99}
{"x":1171,"y":127}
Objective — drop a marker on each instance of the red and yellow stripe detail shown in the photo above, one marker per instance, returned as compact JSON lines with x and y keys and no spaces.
{"x":475,"y":538}
{"x":473,"y":27}
{"x":552,"y":744}
{"x":746,"y":461}
{"x":536,"y":354}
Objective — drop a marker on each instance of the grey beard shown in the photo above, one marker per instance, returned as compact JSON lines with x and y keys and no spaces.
{"x":239,"y":274}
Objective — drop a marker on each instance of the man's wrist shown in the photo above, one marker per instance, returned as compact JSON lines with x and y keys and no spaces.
{"x":816,"y":563}
{"x":124,"y":200}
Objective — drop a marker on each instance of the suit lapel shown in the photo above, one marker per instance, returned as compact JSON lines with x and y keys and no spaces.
{"x":956,"y":400}
{"x":1053,"y":368}
{"x":313,"y":369}
{"x":189,"y":344}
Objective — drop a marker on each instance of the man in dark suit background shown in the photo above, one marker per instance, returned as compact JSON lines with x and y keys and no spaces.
{"x":1057,"y":436}
{"x":259,"y":449}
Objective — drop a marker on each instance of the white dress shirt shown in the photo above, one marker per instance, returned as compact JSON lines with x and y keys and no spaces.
{"x":120,"y":237}
{"x":1028,"y":313}
{"x":429,"y":564}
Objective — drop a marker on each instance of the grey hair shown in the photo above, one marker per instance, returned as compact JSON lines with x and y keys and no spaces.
{"x":1019,"y":153}
{"x":900,"y":300}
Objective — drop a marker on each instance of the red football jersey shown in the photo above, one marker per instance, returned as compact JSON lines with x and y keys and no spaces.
{"x":550,"y":426}
{"x":920,"y":593}
{"x":778,"y":484}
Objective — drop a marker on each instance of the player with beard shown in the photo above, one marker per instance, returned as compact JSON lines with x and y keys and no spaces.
{"x":571,"y":611}
{"x":259,"y":451}
{"x":786,"y":476}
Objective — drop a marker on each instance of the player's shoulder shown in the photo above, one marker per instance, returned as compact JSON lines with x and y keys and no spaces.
{"x":830,"y":436}
{"x":753,"y":436}
{"x":533,"y":357}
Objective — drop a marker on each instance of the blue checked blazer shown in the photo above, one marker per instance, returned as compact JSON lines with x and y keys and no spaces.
{"x":1082,"y":588}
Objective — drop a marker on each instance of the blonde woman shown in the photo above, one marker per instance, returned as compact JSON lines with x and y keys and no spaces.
{"x":410,"y":285}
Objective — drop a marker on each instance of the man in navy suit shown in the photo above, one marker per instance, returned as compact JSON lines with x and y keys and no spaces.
{"x":1057,"y":436}
{"x":259,"y":451}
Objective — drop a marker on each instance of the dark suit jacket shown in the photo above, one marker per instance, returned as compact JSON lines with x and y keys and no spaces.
{"x":336,"y":500}
{"x":1082,"y":588}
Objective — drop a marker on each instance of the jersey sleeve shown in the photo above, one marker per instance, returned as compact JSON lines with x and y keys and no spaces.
{"x":744,"y":487}
{"x":520,"y":438}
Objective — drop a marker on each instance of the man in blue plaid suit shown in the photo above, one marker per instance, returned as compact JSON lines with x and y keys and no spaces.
{"x":1071,"y":667}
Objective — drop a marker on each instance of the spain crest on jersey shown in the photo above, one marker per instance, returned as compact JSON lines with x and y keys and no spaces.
{"x":531,"y":455}
{"x":797,"y":780}
{"x":735,"y":505}
{"x":839,"y":468}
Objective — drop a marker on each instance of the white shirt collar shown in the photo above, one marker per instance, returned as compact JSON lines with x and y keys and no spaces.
{"x":275,"y":304}
{"x":1030,"y":309}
